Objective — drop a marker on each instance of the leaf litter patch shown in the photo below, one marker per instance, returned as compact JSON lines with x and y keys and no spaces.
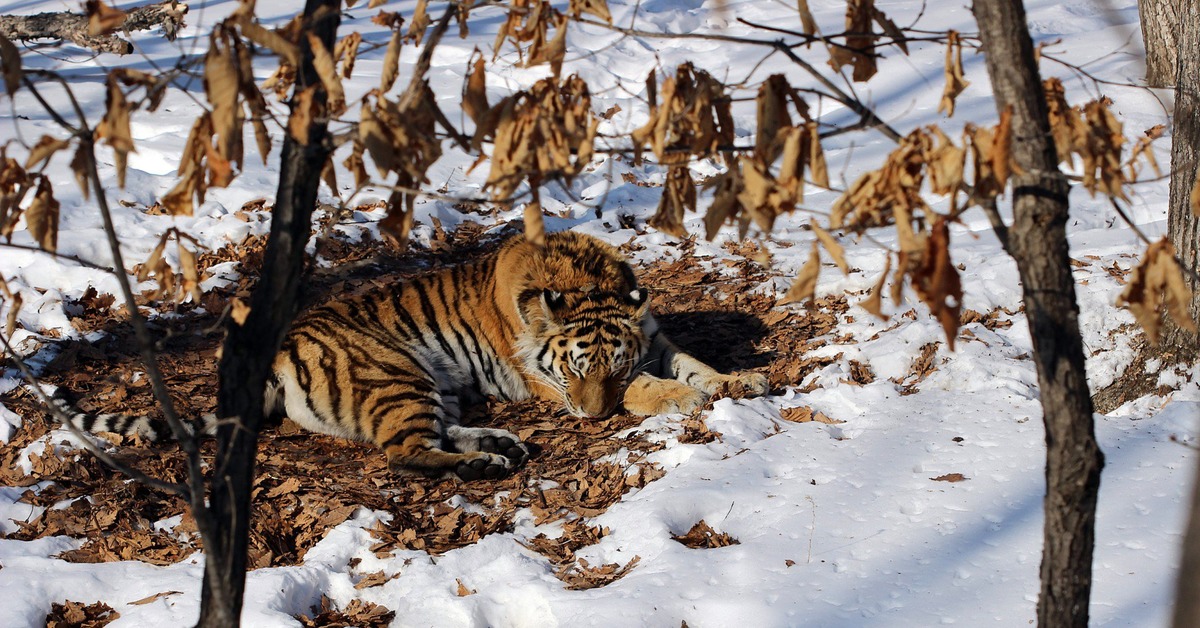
{"x":307,"y":483}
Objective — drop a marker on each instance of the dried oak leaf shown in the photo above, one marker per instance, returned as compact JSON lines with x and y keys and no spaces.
{"x":1157,"y":287}
{"x":703,"y":536}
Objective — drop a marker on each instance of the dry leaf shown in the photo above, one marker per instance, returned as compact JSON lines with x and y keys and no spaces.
{"x":10,"y":63}
{"x":832,"y":246}
{"x":874,"y":301}
{"x":955,"y":81}
{"x":805,"y":284}
{"x":805,"y":414}
{"x":324,"y":64}
{"x":420,"y":21}
{"x":44,"y":150}
{"x":238,"y":310}
{"x":41,"y":216}
{"x":391,"y":62}
{"x":950,"y":477}
{"x":808,"y":25}
{"x":102,"y":19}
{"x":147,"y":600}
{"x":1157,"y":287}
{"x":936,"y":280}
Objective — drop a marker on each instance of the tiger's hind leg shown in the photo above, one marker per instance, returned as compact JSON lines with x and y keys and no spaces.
{"x":412,"y":431}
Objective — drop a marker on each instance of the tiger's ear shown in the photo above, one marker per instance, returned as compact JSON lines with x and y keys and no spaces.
{"x":637,"y":296}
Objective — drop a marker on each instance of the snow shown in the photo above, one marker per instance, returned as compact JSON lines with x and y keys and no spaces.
{"x":839,"y":525}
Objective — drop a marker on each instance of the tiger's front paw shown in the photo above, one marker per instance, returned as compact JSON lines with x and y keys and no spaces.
{"x":738,"y":385}
{"x":648,"y":396}
{"x":483,"y":466}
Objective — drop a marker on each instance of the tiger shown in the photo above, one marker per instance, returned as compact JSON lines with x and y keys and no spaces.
{"x":563,"y":320}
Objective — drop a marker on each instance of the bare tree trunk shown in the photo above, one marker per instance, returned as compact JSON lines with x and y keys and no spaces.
{"x":1184,"y":229}
{"x":1161,"y":20}
{"x":250,"y":348}
{"x":1038,"y":243}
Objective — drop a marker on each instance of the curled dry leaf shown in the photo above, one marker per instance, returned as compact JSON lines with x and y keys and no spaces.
{"x":474,"y":102}
{"x":1157,"y":287}
{"x":391,"y":62}
{"x":1100,"y":148}
{"x":14,"y":307}
{"x":832,"y":247}
{"x":598,"y":8}
{"x":114,"y":127}
{"x":679,"y":195}
{"x":1144,"y":149}
{"x":44,"y":150}
{"x":221,"y":86}
{"x":102,"y":19}
{"x":772,"y":116}
{"x":346,"y":51}
{"x":808,"y":25}
{"x":1065,"y":121}
{"x":398,"y":222}
{"x":936,"y":280}
{"x":805,"y":285}
{"x":420,"y":22}
{"x":271,"y":39}
{"x":955,"y":81}
{"x":725,"y":205}
{"x":874,"y":301}
{"x":324,"y":64}
{"x":42,"y":216}
{"x":10,"y":65}
{"x":238,"y":311}
{"x":859,"y":50}
{"x":191,"y":276}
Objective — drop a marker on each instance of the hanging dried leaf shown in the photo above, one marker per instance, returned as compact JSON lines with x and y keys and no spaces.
{"x":859,"y":50}
{"x":598,"y":8}
{"x":535,"y":228}
{"x":14,"y":309}
{"x":420,"y":22}
{"x":874,"y":301}
{"x":391,"y":62}
{"x":725,"y":205}
{"x":354,"y":163}
{"x":79,"y":169}
{"x":272,"y":40}
{"x":1144,"y":149}
{"x":945,"y":165}
{"x":890,"y":29}
{"x":191,"y":276}
{"x":474,"y":102}
{"x":221,"y":86}
{"x":102,"y":19}
{"x":772,"y":116}
{"x":816,"y":156}
{"x":114,"y":127}
{"x":936,"y":280}
{"x":44,"y":150}
{"x":399,"y":220}
{"x":324,"y":64}
{"x":10,"y":65}
{"x":808,"y":25}
{"x":955,"y":81}
{"x":346,"y":51}
{"x":42,"y":216}
{"x":1100,"y":148}
{"x":1157,"y":288}
{"x":305,"y":110}
{"x":552,"y":51}
{"x":679,"y":195}
{"x":804,"y":287}
{"x":1001,"y":156}
{"x":832,"y":247}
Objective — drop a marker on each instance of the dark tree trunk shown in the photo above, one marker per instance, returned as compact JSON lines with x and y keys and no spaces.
{"x":1037,"y":241}
{"x":249,"y":348}
{"x":1184,"y":229}
{"x":1161,"y":20}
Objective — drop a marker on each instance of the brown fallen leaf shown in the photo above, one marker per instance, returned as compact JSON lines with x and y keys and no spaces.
{"x":950,"y":477}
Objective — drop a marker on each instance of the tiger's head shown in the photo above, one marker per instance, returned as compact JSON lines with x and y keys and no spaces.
{"x":586,"y":322}
{"x":586,"y":345}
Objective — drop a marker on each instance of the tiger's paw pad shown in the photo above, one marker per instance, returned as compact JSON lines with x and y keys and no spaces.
{"x":490,"y":467}
{"x":506,"y":446}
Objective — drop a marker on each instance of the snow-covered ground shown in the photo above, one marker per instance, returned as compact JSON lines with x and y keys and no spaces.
{"x":839,"y":525}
